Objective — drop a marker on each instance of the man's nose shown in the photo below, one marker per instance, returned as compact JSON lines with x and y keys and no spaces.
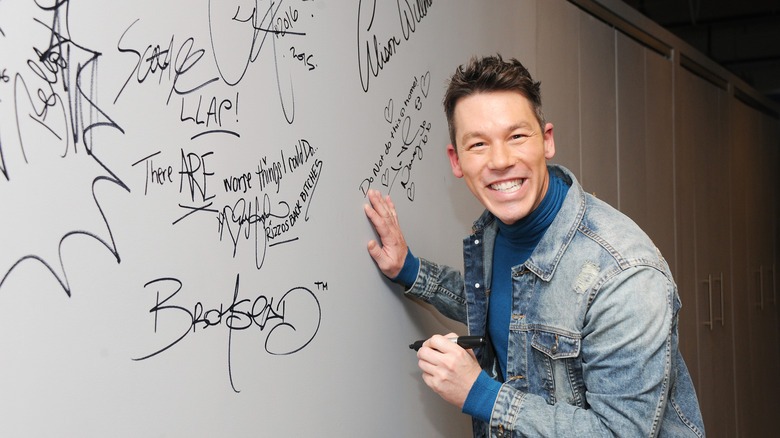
{"x":500,"y":156}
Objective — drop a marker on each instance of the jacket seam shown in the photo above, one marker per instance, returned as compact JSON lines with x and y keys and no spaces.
{"x":617,"y":270}
{"x":685,"y":420}
{"x":604,"y":244}
{"x":659,"y":410}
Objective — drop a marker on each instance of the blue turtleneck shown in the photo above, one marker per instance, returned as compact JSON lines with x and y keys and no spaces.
{"x":514,"y":244}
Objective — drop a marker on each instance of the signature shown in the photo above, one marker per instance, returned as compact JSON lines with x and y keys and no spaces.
{"x":289,"y":322}
{"x":372,"y":52}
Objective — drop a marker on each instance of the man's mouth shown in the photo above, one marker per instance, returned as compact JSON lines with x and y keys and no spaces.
{"x":507,"y":186}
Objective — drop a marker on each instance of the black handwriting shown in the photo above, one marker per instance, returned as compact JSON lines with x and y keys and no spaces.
{"x":372,"y":52}
{"x":159,"y":60}
{"x":290,"y":322}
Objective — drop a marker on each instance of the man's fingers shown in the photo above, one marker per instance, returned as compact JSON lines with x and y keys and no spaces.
{"x":375,"y":251}
{"x":390,"y":207}
{"x":442,"y":343}
{"x":381,"y":216}
{"x":383,"y":206}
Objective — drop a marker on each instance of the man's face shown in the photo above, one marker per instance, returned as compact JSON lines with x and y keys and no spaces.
{"x":502,"y":152}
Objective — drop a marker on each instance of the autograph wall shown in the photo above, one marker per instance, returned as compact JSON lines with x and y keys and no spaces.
{"x":182,"y":243}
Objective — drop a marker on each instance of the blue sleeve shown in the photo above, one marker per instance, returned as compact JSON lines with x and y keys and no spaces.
{"x":408,"y":274}
{"x":482,"y":397}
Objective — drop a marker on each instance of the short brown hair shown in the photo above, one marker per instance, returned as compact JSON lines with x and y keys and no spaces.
{"x":487,"y":74}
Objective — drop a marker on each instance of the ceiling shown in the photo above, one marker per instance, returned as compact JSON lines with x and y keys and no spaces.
{"x":741,"y":35}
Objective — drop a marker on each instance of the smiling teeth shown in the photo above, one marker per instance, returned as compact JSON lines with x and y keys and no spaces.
{"x":507,"y":186}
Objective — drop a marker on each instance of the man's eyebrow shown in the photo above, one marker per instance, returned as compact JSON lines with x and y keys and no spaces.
{"x":471,"y":134}
{"x":521,"y":125}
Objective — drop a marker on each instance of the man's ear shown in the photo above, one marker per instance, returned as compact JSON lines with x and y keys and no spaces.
{"x":549,"y":141}
{"x":454,"y":161}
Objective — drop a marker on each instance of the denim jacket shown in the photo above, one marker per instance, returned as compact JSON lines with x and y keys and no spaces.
{"x":593,"y":345}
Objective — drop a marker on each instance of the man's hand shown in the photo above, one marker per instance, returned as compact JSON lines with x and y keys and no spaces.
{"x":390,"y":256}
{"x":448,"y":369}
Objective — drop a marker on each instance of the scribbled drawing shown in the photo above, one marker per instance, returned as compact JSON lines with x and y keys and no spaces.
{"x":50,"y":167}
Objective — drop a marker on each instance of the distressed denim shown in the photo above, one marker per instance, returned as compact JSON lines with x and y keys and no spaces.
{"x":593,"y":346}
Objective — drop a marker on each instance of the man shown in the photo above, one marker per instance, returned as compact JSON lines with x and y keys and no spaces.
{"x":579,"y":308}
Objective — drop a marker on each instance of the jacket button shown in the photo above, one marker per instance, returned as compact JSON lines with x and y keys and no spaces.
{"x":476,"y":285}
{"x":476,"y":242}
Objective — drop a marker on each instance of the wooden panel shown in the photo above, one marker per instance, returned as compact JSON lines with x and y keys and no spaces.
{"x":685,"y":222}
{"x":765,"y":324}
{"x":659,"y":153}
{"x":631,"y":115}
{"x":597,"y":109}
{"x":646,"y":141}
{"x":557,"y":63}
{"x":742,"y":135}
{"x":755,"y":209}
{"x":713,"y":249}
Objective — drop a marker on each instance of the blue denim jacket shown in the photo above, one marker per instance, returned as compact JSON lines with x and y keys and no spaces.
{"x":593,"y":346}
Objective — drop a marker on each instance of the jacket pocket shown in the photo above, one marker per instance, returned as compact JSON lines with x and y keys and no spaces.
{"x":557,"y":357}
{"x":556,"y":345}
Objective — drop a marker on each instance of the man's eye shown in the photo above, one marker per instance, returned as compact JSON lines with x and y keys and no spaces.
{"x":477,"y":145}
{"x":518,"y":136}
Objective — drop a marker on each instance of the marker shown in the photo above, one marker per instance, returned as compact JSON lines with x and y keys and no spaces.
{"x":467,"y":342}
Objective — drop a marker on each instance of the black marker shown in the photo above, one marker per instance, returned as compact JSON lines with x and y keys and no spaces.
{"x":466,"y":342}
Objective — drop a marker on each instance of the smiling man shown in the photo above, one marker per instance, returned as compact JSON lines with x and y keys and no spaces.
{"x":505,"y":151}
{"x":579,"y":307}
